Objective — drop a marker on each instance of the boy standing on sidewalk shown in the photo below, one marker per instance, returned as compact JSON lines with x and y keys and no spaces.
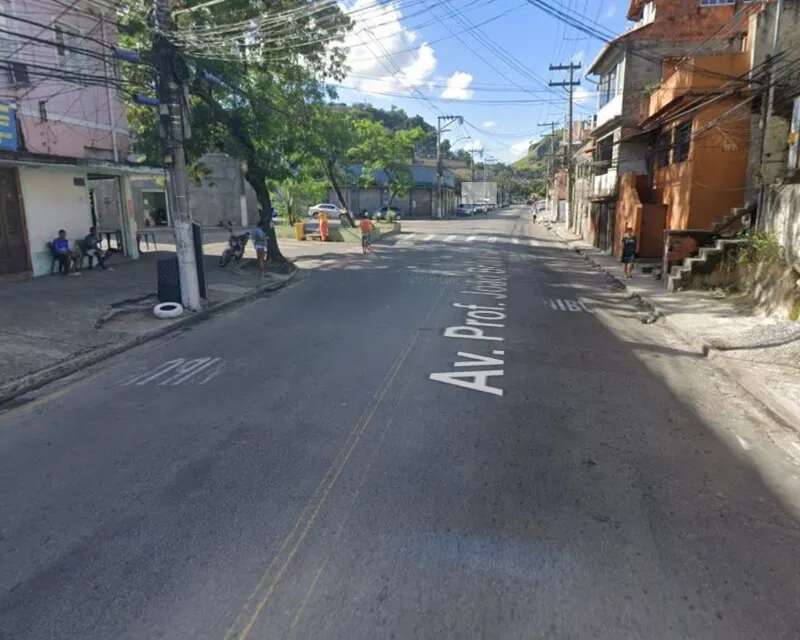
{"x":628,"y":252}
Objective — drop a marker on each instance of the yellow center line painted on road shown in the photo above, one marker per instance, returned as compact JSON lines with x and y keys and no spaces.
{"x":320,"y":495}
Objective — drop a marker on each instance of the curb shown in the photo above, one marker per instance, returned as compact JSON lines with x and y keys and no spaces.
{"x":772,"y":403}
{"x":40,"y":378}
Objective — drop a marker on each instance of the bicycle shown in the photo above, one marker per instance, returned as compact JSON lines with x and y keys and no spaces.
{"x":365,"y":242}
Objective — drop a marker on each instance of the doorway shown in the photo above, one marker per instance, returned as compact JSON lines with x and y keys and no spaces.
{"x":155,"y":207}
{"x":13,"y":246}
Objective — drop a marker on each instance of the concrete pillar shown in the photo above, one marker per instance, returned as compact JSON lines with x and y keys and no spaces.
{"x":129,"y":226}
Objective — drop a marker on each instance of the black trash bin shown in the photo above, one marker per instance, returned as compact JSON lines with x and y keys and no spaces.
{"x":169,"y":280}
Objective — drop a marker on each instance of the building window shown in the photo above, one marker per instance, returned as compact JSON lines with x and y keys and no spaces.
{"x":69,"y":42}
{"x":662,"y":150}
{"x":608,"y":87}
{"x":683,"y":142}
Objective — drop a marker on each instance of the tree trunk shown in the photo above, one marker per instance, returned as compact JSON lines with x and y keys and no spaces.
{"x":337,"y":190}
{"x":257,"y":178}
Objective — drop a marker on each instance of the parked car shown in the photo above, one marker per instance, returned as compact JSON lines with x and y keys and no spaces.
{"x":330,"y":209}
{"x":464,"y":210}
{"x":383,"y":214}
{"x":479,"y":208}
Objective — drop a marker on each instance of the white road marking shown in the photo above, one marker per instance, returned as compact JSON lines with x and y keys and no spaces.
{"x":515,"y":240}
{"x":470,"y":239}
{"x":492,"y":239}
{"x":409,"y":236}
{"x":449,"y":238}
{"x":194,"y":371}
{"x":565,"y":305}
{"x":430,"y":237}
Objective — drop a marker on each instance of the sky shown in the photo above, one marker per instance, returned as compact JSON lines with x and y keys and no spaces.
{"x":485,"y":60}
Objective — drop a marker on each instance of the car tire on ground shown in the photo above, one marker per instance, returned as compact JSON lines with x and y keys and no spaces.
{"x":167,"y":310}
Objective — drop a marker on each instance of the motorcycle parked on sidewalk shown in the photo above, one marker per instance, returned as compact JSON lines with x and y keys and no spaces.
{"x":235,"y":249}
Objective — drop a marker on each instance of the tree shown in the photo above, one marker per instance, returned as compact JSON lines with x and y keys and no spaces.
{"x":254,"y":103}
{"x":297,"y":192}
{"x":381,"y":150}
{"x":330,"y":136}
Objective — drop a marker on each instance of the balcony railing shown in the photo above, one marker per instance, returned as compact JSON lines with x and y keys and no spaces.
{"x":703,"y":74}
{"x":605,"y":184}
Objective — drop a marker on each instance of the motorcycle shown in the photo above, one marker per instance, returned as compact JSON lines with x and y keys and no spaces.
{"x":235,"y":248}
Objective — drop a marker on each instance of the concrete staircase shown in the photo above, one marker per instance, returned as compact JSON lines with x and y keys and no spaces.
{"x":736,"y":214}
{"x":701,"y":266}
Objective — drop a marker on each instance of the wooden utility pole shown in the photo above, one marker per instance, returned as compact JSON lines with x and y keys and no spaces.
{"x":440,"y":129}
{"x":570,"y":68}
{"x":172,"y":72}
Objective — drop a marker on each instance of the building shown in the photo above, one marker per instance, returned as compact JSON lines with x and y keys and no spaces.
{"x":631,"y":68}
{"x":419,"y":201}
{"x":222,"y":196}
{"x":64,"y":138}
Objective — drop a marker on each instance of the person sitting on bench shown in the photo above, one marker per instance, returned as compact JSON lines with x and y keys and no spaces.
{"x":92,"y":244}
{"x":62,"y":252}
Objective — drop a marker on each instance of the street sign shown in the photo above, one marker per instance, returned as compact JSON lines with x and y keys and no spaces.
{"x":8,"y":127}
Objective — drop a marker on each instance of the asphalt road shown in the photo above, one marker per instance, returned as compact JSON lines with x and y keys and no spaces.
{"x":307,"y":466}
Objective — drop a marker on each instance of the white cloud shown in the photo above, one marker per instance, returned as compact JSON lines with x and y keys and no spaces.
{"x":581,"y":96}
{"x":381,"y":52}
{"x":578,"y":57}
{"x":457,"y":86}
{"x":519,"y":149}
{"x":611,"y":12}
{"x":489,"y":124}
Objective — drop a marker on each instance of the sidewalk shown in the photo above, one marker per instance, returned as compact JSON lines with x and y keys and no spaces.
{"x":761,"y":353}
{"x":52,"y":326}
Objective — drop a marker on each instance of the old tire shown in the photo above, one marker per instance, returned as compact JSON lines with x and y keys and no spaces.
{"x":167,"y":310}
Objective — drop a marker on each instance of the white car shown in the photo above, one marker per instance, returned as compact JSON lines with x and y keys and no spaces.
{"x":330,"y":209}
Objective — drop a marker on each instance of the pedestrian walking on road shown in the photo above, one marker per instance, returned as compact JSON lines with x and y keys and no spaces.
{"x":628,"y":252}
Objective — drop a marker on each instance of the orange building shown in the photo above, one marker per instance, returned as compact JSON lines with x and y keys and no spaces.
{"x":697,"y":126}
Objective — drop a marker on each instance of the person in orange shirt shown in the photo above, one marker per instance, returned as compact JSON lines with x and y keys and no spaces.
{"x":366,"y":227}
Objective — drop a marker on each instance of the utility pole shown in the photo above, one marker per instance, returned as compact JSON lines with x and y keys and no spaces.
{"x":551,"y":157}
{"x":766,"y":111}
{"x":473,"y":152}
{"x":570,"y":68}
{"x":442,"y":122}
{"x":171,"y":78}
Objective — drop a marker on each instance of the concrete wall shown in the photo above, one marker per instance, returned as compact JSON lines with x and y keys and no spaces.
{"x":760,"y":35}
{"x":216,"y":199}
{"x":782,"y":216}
{"x":719,"y":156}
{"x":52,"y":201}
{"x":672,"y":186}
